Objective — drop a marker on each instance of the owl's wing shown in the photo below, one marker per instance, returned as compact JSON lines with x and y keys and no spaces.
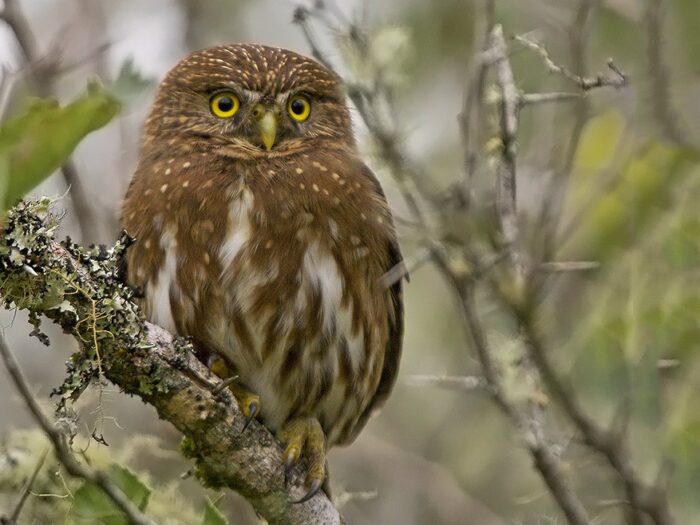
{"x":392,"y":353}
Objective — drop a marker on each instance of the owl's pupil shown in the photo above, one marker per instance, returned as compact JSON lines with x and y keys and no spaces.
{"x":298,"y":107}
{"x":225,"y":104}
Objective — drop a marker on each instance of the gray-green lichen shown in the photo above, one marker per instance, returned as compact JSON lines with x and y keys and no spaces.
{"x":81,"y":289}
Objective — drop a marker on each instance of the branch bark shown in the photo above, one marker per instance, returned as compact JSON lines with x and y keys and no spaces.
{"x":82,"y":291}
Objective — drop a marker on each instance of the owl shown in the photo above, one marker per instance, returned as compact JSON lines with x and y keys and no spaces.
{"x":263,"y":236}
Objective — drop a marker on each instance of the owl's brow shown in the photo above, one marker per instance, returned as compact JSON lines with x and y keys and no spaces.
{"x":254,"y":95}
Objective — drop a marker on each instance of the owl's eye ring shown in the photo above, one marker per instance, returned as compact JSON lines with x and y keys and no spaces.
{"x":224,"y":104}
{"x":299,"y":108}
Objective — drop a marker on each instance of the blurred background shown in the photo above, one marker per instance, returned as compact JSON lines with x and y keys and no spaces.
{"x":627,"y":330}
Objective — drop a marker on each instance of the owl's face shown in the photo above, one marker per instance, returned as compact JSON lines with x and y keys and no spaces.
{"x":251,"y":98}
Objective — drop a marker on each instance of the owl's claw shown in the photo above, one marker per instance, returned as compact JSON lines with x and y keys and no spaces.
{"x":248,"y":402}
{"x":315,"y":487}
{"x":252,"y":411}
{"x":304,"y":436}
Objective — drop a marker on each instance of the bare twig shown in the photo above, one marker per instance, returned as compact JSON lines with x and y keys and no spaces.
{"x":663,"y":112}
{"x":616,"y":78}
{"x":568,"y":266}
{"x":552,"y":205}
{"x":27,"y":489}
{"x":225,"y":384}
{"x":471,"y":116}
{"x":459,"y":383}
{"x":531,"y":99}
{"x":405,"y":267}
{"x":61,"y":448}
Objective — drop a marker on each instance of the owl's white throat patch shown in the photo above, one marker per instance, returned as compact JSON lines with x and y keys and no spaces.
{"x":238,"y":231}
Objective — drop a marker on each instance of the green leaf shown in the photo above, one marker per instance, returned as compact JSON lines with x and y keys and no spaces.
{"x":93,"y":504}
{"x":599,"y":141}
{"x":39,"y":141}
{"x":212,"y":515}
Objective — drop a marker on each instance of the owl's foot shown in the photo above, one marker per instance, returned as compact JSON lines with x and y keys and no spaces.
{"x":304,"y":436}
{"x":248,"y":402}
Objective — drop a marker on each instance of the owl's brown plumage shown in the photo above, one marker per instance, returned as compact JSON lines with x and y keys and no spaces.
{"x":264,"y":237}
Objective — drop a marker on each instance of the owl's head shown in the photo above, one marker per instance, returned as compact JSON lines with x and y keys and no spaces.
{"x":251,"y":98}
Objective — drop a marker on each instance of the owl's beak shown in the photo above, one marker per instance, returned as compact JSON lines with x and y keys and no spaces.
{"x":268,"y":129}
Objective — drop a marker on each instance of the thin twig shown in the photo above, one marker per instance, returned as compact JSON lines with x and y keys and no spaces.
{"x":27,"y":489}
{"x":531,"y":99}
{"x":562,"y":162}
{"x":663,"y":112}
{"x":459,"y":383}
{"x":471,"y":116}
{"x":408,"y":174}
{"x":224,"y":384}
{"x":617,"y":78}
{"x":406,"y":267}
{"x":63,"y":453}
{"x":568,"y":266}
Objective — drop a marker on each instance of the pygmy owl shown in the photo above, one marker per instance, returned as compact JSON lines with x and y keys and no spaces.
{"x":262,"y":235}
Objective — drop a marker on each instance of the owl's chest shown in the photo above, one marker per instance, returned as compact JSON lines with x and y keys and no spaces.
{"x":290,"y":308}
{"x":280,"y":274}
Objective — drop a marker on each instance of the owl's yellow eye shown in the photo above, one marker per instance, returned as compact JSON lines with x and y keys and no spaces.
{"x":224,"y":105}
{"x":299,"y":108}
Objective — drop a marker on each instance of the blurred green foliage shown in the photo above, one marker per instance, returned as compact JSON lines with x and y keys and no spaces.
{"x":56,"y":498}
{"x":37,"y":142}
{"x":91,"y":503}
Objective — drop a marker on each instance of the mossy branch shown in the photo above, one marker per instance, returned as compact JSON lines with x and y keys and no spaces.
{"x":81,"y":290}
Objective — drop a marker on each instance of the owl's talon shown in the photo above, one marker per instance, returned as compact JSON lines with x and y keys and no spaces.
{"x":315,"y":487}
{"x":252,"y":412}
{"x":248,"y":402}
{"x":305,"y":437}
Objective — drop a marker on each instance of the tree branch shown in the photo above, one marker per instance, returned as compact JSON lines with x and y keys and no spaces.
{"x":82,"y":291}
{"x":662,"y":109}
{"x":506,"y":191}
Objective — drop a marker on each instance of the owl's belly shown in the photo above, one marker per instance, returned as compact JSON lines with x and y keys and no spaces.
{"x":300,"y":353}
{"x":281,"y":315}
